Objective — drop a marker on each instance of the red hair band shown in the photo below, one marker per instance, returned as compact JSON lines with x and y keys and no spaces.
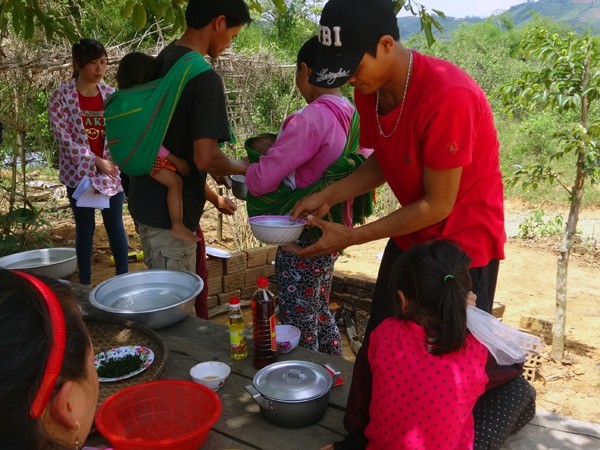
{"x":57,"y":350}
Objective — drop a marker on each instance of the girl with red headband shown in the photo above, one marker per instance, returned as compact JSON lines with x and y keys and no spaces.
{"x":48,"y":383}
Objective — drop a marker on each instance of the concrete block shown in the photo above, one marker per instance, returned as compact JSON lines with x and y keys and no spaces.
{"x":225,"y":296}
{"x":256,"y":257}
{"x":271,"y":252}
{"x":233,"y":281}
{"x":212,"y":301}
{"x":215,"y":267}
{"x":252,"y":274}
{"x":247,"y":292}
{"x":215,"y":285}
{"x":237,"y":263}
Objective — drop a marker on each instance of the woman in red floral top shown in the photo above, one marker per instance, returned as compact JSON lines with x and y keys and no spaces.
{"x":76,"y":111}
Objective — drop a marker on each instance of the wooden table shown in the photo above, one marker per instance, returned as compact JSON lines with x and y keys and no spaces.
{"x":241,"y":426}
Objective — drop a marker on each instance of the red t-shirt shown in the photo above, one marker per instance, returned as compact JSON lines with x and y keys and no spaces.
{"x":447,"y":123}
{"x":92,"y":114}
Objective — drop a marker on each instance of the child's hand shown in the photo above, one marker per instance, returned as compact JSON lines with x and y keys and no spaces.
{"x":180,"y":164}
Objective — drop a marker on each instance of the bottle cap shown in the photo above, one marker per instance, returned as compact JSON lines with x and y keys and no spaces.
{"x":234,"y":301}
{"x":262,"y":282}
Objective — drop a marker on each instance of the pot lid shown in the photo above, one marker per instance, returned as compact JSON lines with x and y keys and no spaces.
{"x":293,"y":381}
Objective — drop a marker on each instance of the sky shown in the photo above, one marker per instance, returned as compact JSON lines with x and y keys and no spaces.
{"x":463,"y":8}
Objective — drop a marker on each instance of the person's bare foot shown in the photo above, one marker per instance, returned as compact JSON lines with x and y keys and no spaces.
{"x":181,"y":232}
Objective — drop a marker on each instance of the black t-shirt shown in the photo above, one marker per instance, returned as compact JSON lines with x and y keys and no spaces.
{"x":200,"y":113}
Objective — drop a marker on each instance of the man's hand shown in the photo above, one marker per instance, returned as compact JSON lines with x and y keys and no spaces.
{"x":225,"y":205}
{"x":335,"y":237}
{"x":314,"y":205}
{"x":107,"y":167}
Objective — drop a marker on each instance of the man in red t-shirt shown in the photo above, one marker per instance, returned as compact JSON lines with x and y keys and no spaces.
{"x":435,"y":145}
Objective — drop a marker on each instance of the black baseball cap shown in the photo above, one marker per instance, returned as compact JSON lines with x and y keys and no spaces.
{"x":347,"y":30}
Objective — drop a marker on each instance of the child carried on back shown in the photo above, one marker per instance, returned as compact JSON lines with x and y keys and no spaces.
{"x":139,"y":68}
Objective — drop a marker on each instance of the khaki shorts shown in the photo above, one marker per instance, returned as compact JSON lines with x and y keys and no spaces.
{"x":164,"y":251}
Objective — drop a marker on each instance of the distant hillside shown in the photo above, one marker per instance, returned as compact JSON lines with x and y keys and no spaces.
{"x":580,"y":14}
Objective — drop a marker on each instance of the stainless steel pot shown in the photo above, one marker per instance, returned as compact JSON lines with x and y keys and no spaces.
{"x":156,"y":298}
{"x":292,"y":394}
{"x":238,"y":186}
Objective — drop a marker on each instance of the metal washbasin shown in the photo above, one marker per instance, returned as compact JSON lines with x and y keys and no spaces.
{"x":156,"y":298}
{"x":51,"y":262}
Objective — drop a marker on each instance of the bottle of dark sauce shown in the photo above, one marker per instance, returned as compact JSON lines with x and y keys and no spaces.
{"x":263,"y":319}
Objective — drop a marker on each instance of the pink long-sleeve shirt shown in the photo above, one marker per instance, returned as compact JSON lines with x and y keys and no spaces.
{"x":309,"y":141}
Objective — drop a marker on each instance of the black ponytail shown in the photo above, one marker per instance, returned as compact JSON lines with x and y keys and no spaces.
{"x":435,"y":280}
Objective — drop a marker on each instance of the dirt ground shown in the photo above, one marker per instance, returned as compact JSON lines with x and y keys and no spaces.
{"x":526,"y":286}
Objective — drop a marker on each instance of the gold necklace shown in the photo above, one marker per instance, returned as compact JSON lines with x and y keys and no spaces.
{"x":408,"y":75}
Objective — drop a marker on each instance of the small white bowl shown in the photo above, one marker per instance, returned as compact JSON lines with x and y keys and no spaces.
{"x":288,"y":337}
{"x":276,"y":229}
{"x":212,"y":374}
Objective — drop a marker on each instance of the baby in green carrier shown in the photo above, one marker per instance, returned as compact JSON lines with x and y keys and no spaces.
{"x":138,"y":68}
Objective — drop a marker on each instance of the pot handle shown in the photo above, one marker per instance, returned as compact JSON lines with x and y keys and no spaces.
{"x":336,"y":374}
{"x":257,"y":396}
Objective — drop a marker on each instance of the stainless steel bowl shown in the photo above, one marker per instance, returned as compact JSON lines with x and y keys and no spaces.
{"x":156,"y":297}
{"x":238,"y":186}
{"x":51,"y":262}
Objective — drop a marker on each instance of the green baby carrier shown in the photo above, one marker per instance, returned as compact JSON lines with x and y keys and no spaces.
{"x":137,"y":118}
{"x":282,"y":200}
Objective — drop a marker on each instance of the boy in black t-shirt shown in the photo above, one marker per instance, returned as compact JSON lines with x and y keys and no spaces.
{"x":198,"y":124}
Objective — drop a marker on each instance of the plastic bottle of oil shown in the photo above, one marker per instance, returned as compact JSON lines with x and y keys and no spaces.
{"x":263,"y":320}
{"x":237,"y":340}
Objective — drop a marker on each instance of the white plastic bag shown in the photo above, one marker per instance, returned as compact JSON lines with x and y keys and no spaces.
{"x":506,"y":344}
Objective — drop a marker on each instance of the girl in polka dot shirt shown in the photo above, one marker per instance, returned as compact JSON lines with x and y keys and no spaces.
{"x":76,"y":114}
{"x":422,"y":372}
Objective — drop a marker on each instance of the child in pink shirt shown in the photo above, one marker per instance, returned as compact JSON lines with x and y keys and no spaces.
{"x":423,"y":371}
{"x":138,"y":68}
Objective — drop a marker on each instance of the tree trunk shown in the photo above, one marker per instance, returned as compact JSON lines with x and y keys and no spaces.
{"x":21,"y":151}
{"x":560,"y":315}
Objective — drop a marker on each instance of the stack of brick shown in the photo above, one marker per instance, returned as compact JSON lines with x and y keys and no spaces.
{"x":357,"y":290}
{"x":236,"y":276}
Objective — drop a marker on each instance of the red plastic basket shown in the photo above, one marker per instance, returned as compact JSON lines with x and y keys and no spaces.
{"x":167,"y":414}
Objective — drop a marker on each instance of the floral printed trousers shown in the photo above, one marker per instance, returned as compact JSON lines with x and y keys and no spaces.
{"x":304,"y":292}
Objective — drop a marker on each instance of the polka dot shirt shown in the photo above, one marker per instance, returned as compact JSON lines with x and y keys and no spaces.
{"x":76,"y":159}
{"x":420,"y":400}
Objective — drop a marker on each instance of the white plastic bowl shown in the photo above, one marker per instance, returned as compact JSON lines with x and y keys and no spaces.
{"x":50,"y":262}
{"x":277,"y":230}
{"x":212,"y":374}
{"x":288,"y":337}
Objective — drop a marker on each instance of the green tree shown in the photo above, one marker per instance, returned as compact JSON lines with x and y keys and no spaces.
{"x":61,"y":18}
{"x":53,"y":18}
{"x":567,"y":81}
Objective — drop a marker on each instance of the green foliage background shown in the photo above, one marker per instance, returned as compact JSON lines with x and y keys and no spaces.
{"x":485,"y":49}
